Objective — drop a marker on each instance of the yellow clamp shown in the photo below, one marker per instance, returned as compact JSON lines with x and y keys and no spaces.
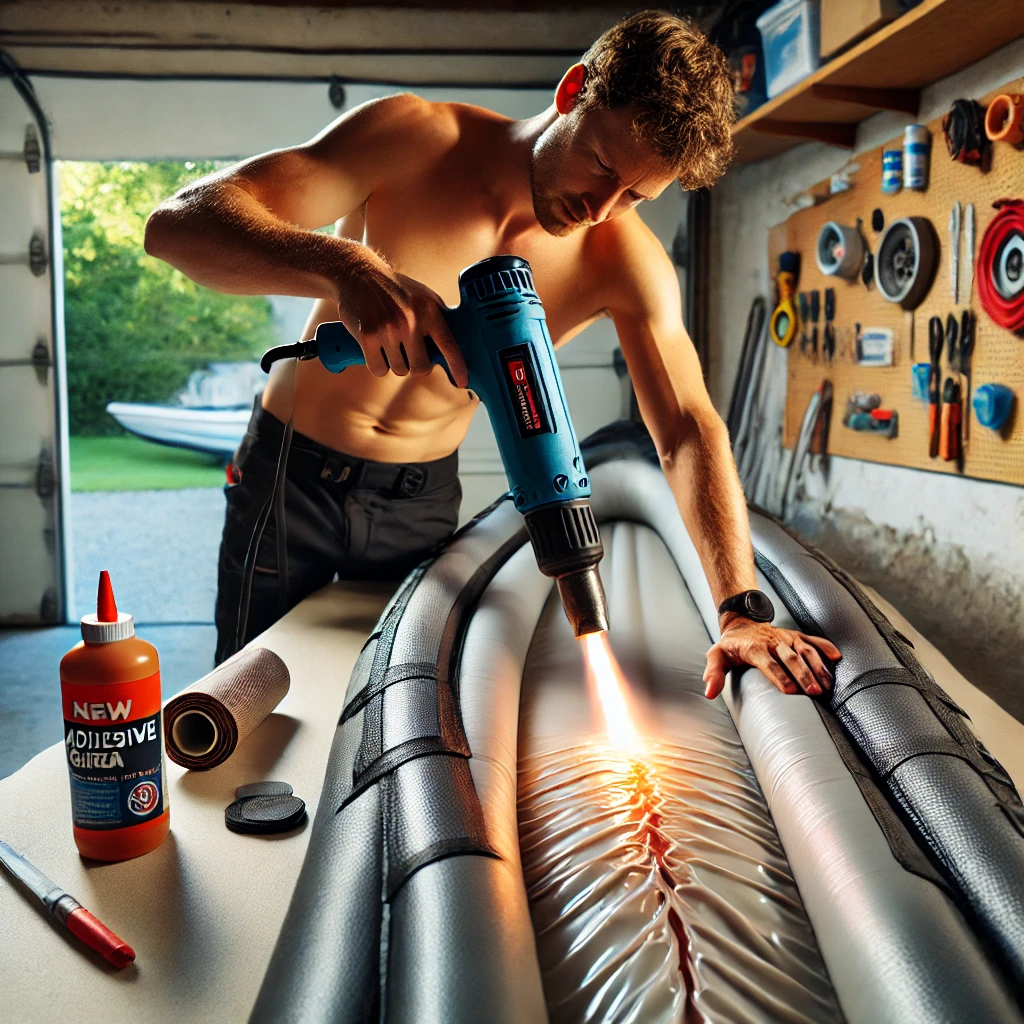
{"x":784,"y":322}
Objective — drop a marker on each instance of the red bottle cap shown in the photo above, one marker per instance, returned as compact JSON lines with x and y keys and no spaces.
{"x":106,"y":606}
{"x":108,"y":624}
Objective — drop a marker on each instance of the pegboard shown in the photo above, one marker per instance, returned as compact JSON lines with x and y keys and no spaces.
{"x":998,"y":354}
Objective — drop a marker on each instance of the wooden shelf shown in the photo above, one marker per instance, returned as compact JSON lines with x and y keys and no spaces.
{"x":884,"y":72}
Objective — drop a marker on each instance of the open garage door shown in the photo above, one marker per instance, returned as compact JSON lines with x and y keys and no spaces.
{"x":31,"y":443}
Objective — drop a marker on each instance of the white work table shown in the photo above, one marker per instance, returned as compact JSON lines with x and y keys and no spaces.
{"x":204,"y":909}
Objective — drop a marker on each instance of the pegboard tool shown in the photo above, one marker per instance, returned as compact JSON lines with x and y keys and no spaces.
{"x":954,"y":252}
{"x":784,"y":321}
{"x":935,"y":340}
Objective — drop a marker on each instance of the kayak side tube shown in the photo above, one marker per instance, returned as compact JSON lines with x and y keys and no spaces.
{"x":896,"y":945}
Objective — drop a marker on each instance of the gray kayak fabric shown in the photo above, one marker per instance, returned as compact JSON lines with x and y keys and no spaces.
{"x":658,"y":886}
{"x":411,"y":904}
{"x":896,"y":947}
{"x":964,"y":807}
{"x":402,"y":909}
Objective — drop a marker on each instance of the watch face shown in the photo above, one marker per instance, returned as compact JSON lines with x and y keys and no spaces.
{"x":759,"y":607}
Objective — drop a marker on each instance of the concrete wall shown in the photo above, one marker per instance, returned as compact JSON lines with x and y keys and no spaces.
{"x":948,"y":552}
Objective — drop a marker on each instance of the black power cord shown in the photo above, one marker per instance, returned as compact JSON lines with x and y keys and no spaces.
{"x":274,"y":504}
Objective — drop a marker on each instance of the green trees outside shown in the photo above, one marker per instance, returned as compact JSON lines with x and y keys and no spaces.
{"x":135,"y":327}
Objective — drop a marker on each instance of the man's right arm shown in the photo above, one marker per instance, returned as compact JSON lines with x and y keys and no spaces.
{"x":249,"y":229}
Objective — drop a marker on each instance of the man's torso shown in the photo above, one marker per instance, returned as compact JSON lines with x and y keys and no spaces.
{"x":430,"y":223}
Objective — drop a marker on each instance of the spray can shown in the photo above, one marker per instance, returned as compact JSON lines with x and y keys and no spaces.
{"x":917,"y":144}
{"x":113,"y":736}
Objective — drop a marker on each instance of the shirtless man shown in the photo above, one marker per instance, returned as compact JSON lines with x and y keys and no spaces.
{"x":427,"y":189}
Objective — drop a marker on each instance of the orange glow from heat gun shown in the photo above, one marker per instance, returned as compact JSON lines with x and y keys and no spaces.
{"x":610,"y":686}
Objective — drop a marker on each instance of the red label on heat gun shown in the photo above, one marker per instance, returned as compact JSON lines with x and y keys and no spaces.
{"x":527,"y":397}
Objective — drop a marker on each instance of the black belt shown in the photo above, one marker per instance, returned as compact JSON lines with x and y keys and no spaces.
{"x":365,"y":474}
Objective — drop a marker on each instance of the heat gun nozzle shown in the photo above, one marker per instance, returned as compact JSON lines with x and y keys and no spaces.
{"x":568,"y":546}
{"x":583,"y":600}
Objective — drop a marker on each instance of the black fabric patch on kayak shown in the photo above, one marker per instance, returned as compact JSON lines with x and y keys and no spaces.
{"x":393,"y":758}
{"x":952,"y":717}
{"x":429,"y":806}
{"x":955,"y":798}
{"x":904,"y":847}
{"x":394,"y":674}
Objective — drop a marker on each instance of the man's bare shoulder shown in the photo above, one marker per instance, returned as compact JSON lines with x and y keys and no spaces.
{"x":631,"y":263}
{"x":403,"y":125}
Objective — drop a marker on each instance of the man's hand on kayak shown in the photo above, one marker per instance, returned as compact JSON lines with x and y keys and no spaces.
{"x":792,"y":661}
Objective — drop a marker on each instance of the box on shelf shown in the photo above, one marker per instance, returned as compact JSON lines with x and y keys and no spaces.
{"x":845,"y":22}
{"x":789,"y":33}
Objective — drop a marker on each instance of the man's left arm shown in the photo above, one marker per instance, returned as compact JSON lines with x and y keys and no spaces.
{"x":693,"y":446}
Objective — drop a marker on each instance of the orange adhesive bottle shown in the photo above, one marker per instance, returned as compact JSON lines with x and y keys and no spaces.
{"x":113,"y":736}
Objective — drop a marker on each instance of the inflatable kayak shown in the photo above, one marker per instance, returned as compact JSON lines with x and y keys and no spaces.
{"x":486,"y":850}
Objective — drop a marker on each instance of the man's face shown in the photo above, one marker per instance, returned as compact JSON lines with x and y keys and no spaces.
{"x":588,"y":167}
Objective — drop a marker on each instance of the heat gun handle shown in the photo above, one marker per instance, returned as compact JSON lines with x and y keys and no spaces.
{"x":337,"y":349}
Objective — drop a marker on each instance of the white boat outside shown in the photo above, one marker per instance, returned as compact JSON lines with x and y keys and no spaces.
{"x":209,"y":415}
{"x":214,"y":431}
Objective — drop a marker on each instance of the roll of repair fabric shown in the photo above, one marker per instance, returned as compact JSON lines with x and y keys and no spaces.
{"x":204,"y":724}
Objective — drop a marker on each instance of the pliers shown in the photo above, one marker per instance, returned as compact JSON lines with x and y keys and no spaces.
{"x":952,"y":336}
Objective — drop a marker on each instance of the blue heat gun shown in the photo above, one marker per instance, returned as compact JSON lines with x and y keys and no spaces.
{"x":501,"y":329}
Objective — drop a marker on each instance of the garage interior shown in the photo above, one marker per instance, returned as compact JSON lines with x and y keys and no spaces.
{"x":936,"y":542}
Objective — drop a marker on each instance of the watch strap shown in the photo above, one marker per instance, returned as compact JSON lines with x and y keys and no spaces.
{"x":744,"y":604}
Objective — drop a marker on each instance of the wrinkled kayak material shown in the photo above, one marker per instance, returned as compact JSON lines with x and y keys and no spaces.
{"x":483,"y":852}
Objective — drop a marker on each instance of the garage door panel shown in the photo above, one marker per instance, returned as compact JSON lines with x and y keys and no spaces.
{"x":22,"y":217}
{"x":26,"y":418}
{"x":25,"y":303}
{"x":32,"y":584}
{"x":26,"y":558}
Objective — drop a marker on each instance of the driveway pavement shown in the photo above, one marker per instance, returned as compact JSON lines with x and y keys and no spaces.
{"x":160,"y":548}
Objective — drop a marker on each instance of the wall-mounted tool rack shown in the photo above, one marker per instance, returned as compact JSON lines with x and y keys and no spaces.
{"x":887,"y":71}
{"x":998,"y":354}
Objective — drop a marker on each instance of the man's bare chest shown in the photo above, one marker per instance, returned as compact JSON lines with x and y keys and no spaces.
{"x":431,"y":234}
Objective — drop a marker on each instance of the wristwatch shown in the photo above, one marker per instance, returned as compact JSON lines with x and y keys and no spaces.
{"x":751,"y":604}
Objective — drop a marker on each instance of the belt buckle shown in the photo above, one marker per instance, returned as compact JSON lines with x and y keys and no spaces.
{"x":410,"y":482}
{"x":335,"y":470}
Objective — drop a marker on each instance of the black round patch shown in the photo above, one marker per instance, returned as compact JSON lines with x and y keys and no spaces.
{"x":877,"y":219}
{"x":265,"y":815}
{"x":272,"y":808}
{"x":263,"y":789}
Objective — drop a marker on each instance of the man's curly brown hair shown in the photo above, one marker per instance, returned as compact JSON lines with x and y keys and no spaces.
{"x":679,"y":84}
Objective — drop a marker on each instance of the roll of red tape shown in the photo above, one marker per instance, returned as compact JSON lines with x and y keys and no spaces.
{"x":1001,"y":266}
